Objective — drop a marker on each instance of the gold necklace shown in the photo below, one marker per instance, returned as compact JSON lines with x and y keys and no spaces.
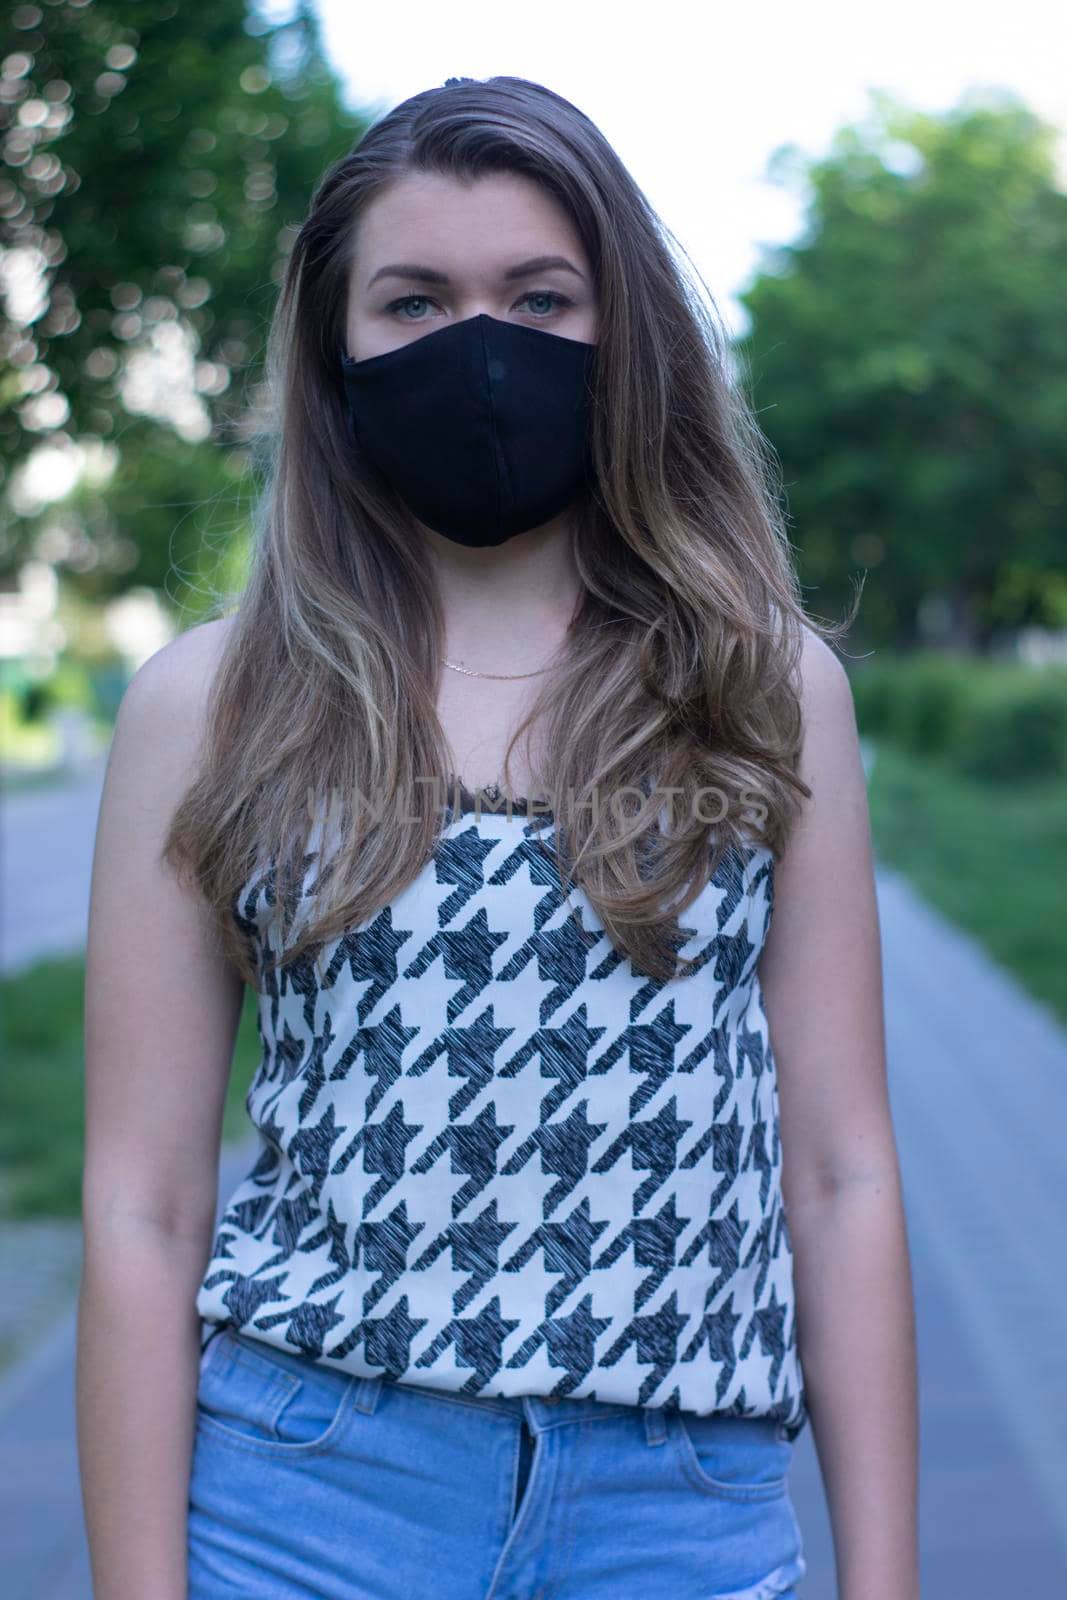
{"x":468,"y":673}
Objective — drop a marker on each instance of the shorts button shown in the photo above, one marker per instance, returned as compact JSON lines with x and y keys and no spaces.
{"x":551,"y":1399}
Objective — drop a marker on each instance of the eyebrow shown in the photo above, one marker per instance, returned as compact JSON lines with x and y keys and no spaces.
{"x":525,"y":269}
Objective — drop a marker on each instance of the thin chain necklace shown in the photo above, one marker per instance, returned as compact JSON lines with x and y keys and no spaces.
{"x":468,"y":672}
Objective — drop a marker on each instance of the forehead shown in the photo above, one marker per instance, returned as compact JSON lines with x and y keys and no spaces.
{"x":491,"y":221}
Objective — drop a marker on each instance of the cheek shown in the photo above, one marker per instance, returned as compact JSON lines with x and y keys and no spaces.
{"x":367,"y":338}
{"x":368,"y":335}
{"x":360,"y":347}
{"x":586,"y":327}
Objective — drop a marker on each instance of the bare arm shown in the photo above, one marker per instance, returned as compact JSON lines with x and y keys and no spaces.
{"x":821,"y":975}
{"x":161,"y":1014}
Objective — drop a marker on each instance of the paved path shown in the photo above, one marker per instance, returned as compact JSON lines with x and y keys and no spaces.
{"x":978,"y":1082}
{"x":40,"y":1267}
{"x":42,"y":1532}
{"x":46,"y":859}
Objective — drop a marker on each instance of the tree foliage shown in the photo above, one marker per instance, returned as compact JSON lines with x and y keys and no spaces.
{"x":908,"y":360}
{"x":160,"y":155}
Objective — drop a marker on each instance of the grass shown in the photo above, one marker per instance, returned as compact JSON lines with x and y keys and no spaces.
{"x":42,"y":1088}
{"x":991,"y":857}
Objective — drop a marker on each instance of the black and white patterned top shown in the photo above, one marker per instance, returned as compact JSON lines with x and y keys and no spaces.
{"x":495,"y":1159}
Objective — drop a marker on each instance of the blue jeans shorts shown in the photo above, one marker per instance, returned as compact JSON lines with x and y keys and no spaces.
{"x":321,"y":1485}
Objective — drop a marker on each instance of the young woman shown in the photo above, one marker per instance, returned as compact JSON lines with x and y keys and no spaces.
{"x":514,"y":1298}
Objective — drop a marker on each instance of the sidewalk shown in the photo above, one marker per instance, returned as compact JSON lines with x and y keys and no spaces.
{"x":46,"y":861}
{"x":42,"y":1531}
{"x":40,"y":1264}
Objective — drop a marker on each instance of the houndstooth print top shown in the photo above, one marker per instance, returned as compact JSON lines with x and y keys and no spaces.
{"x":495,"y":1159}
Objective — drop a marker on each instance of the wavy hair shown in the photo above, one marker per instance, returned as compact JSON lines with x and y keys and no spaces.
{"x":679,"y":668}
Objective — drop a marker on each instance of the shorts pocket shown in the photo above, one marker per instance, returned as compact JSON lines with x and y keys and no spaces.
{"x":263,"y":1399}
{"x":733,"y":1457}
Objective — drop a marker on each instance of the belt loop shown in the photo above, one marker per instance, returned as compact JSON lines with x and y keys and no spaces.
{"x":367,"y":1394}
{"x":655,"y":1424}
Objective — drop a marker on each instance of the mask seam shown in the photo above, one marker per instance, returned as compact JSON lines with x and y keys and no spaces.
{"x":501,"y":463}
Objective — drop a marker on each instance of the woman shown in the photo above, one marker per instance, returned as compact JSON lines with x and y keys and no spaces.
{"x":508,"y":1303}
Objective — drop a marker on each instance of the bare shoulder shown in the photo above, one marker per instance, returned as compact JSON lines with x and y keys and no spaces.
{"x":182,"y":671}
{"x":165,"y":701}
{"x":825,"y":687}
{"x":161,"y":722}
{"x":830,"y":759}
{"x":830,"y":839}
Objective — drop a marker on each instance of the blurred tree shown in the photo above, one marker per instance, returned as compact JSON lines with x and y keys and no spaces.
{"x":908,"y":360}
{"x":160,"y":157}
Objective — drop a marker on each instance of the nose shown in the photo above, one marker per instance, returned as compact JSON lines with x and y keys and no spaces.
{"x":466,"y":313}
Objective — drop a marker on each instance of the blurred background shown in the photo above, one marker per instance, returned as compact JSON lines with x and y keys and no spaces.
{"x":876,"y":201}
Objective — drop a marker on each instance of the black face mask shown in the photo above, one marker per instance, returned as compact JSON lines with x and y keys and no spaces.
{"x":481,"y":427}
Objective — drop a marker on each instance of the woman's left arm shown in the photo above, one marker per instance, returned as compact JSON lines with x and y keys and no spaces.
{"x":821,"y":975}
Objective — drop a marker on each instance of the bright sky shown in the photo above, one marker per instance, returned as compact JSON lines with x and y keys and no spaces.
{"x":694,"y":97}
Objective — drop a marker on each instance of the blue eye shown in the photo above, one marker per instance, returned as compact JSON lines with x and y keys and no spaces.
{"x":558,"y":302}
{"x":406,"y":300}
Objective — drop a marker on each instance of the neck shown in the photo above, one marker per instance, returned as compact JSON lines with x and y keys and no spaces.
{"x":510,"y":600}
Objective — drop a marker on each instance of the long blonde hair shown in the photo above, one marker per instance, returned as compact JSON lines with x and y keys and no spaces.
{"x":681,"y":660}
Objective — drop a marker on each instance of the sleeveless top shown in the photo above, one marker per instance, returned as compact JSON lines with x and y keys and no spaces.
{"x":495,"y":1159}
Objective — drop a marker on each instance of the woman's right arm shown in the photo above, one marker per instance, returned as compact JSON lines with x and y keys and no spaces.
{"x":161,"y":1014}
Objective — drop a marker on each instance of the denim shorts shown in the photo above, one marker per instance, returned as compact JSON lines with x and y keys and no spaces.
{"x":323,"y":1485}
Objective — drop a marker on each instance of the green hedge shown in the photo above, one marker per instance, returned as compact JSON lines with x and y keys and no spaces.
{"x":997,"y":721}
